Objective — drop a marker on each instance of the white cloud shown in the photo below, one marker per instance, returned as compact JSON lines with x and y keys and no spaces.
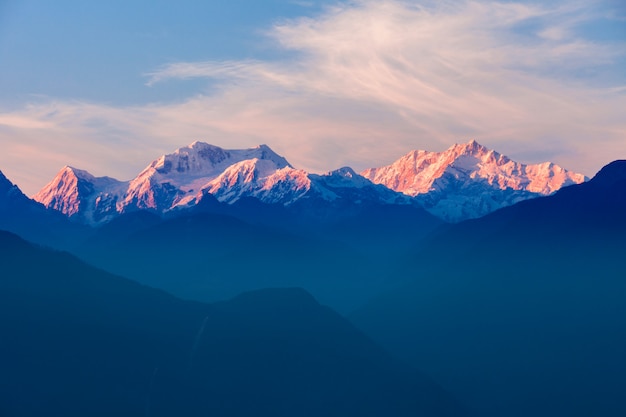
{"x":365,"y":82}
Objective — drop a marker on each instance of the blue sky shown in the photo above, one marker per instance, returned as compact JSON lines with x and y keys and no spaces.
{"x":109,"y":86}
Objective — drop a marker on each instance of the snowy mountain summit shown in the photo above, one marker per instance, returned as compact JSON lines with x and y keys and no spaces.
{"x":468,"y":180}
{"x":465,"y":181}
{"x":77,"y":192}
{"x":168,"y":181}
{"x":178,"y":178}
{"x":183,"y":178}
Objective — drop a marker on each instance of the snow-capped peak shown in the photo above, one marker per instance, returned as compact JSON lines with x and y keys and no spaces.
{"x":72,"y":189}
{"x":469,"y":148}
{"x":264,"y":179}
{"x":343,"y":177}
{"x":177,"y":178}
{"x":63,"y":193}
{"x":344,"y":172}
{"x":197,"y":157}
{"x":78,"y":173}
{"x":469,"y":180}
{"x":466,"y":180}
{"x":201,"y":159}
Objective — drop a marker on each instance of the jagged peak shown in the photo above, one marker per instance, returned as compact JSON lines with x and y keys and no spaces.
{"x":196,"y":157}
{"x":471,"y":147}
{"x":199,"y":145}
{"x":200,"y":158}
{"x":196,"y":146}
{"x":269,"y":153}
{"x":548,"y":165}
{"x":202,"y":149}
{"x":342,"y":177}
{"x":346,"y":172}
{"x":78,"y":173}
{"x":251,"y":169}
{"x":413,"y":154}
{"x":81,"y":174}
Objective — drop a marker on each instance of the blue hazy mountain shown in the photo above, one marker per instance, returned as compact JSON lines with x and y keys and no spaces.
{"x":520,"y":312}
{"x":77,"y":341}
{"x":210,"y":256}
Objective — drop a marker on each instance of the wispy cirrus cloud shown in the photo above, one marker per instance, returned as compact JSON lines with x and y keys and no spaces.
{"x":246,"y":69}
{"x":366,"y":81}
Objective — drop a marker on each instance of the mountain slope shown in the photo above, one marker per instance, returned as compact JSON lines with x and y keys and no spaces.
{"x":521,"y":311}
{"x":21,"y":215}
{"x":78,"y":341}
{"x":469,"y":180}
{"x":12,"y":199}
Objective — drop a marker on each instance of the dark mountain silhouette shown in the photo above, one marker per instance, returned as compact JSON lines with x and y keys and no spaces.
{"x":521,"y":312}
{"x":368,"y":226}
{"x":77,"y":341}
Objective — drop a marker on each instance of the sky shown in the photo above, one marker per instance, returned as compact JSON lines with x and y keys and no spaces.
{"x":110,"y":86}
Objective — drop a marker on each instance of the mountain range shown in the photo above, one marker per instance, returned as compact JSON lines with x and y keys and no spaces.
{"x":189,"y":212}
{"x":520,"y":312}
{"x":184,"y":178}
{"x":465,"y":181}
{"x":469,"y":181}
{"x":224,"y":248}
{"x":517,"y":312}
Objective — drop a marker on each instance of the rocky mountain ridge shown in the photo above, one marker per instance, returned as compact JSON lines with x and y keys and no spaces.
{"x":469,"y":180}
{"x":465,"y":181}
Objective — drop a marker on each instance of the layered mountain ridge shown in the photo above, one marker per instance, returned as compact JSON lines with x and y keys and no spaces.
{"x":465,"y":181}
{"x":78,"y":341}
